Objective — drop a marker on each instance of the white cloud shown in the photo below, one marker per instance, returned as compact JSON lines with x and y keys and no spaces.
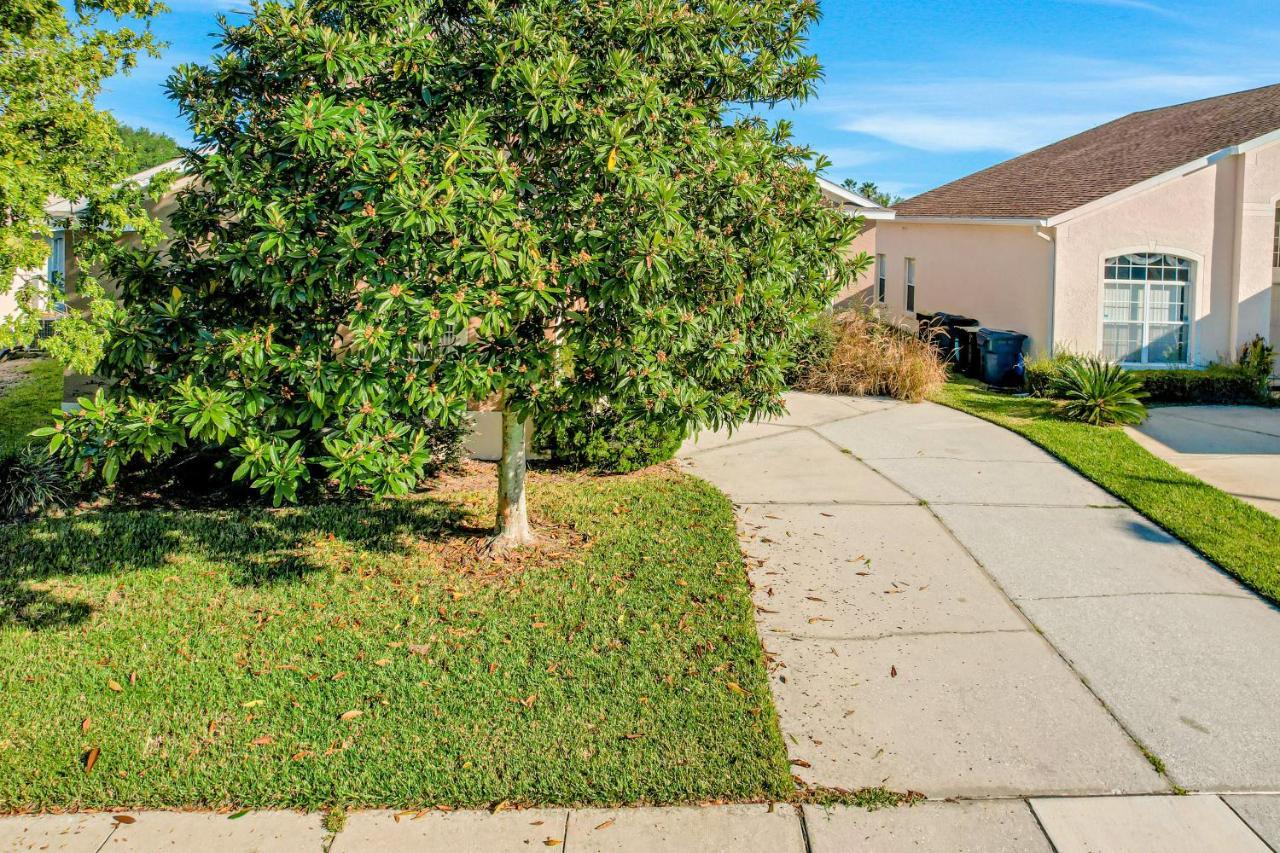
{"x":951,"y":133}
{"x":844,"y":158}
{"x":1020,"y":103}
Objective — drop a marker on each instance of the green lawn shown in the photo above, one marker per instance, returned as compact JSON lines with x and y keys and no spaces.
{"x":1237,"y":536}
{"x":359,"y":655}
{"x":28,"y":405}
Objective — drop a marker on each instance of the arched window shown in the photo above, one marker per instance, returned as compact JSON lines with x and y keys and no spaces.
{"x":1145,"y":309}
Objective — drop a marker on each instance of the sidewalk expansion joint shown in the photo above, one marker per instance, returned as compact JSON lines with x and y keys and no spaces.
{"x":1243,"y":595}
{"x":782,"y":429}
{"x":889,"y":635}
{"x":1026,"y":618}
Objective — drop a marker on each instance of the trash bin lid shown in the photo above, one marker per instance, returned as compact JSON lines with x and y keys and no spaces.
{"x":945,"y":318}
{"x":1000,"y":334}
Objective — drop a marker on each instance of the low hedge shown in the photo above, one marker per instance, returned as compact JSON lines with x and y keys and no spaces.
{"x":1216,"y":385}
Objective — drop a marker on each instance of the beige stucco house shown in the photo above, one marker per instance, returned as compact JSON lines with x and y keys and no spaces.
{"x":1151,"y":240}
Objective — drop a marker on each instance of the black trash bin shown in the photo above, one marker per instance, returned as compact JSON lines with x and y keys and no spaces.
{"x":950,"y":334}
{"x":970,"y":353}
{"x":1002,"y":364}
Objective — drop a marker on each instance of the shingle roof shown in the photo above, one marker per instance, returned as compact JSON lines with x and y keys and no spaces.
{"x":1104,"y":160}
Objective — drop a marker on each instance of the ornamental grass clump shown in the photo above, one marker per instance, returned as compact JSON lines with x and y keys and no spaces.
{"x":31,"y":480}
{"x":1099,"y":392}
{"x":874,"y":358}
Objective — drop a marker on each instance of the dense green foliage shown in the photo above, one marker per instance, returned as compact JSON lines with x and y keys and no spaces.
{"x":31,"y":480}
{"x":1257,"y":359}
{"x":406,"y":207}
{"x":1221,"y":384}
{"x":812,"y":347}
{"x":603,"y":442}
{"x":143,"y":148}
{"x":1040,"y":373}
{"x":54,"y":142}
{"x":626,"y":670}
{"x":30,"y":402}
{"x":1240,"y":538}
{"x":1217,"y":384}
{"x":1099,"y":392}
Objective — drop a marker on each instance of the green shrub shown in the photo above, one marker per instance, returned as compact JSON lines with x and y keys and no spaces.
{"x":604,"y":442}
{"x":1099,"y":392}
{"x":812,"y":348}
{"x":1257,"y":358}
{"x":1217,"y":384}
{"x":31,"y":480}
{"x":1040,"y":373}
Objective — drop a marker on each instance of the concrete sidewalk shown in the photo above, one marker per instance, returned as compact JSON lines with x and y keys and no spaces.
{"x":1194,"y":824}
{"x":953,"y":611}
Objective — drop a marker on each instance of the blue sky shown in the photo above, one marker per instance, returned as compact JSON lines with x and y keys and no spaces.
{"x":919,"y":92}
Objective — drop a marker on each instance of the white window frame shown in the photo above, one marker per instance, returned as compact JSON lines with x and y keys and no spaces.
{"x":909,"y":282}
{"x":56,"y":267}
{"x":882,"y":279}
{"x":1190,"y":301}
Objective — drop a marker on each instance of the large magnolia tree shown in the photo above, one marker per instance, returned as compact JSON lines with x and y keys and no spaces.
{"x":553,"y":206}
{"x":55,"y":142}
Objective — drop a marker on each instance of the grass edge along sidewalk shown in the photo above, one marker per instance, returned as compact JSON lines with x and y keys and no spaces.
{"x":360,"y":655}
{"x":1240,"y":538}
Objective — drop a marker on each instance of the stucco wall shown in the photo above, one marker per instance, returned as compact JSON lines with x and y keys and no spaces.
{"x":1221,"y":217}
{"x":862,"y":291}
{"x":8,"y":301}
{"x":997,"y":274}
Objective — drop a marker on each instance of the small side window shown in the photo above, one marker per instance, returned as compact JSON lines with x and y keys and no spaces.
{"x":911,"y":284}
{"x":882,"y":279}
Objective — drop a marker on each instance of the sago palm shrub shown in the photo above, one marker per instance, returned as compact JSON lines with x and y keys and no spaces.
{"x":1099,"y":392}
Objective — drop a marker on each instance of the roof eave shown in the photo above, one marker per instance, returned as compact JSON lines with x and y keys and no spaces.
{"x":1163,"y":178}
{"x":923,"y":219}
{"x":847,"y":195}
{"x":61,"y":207}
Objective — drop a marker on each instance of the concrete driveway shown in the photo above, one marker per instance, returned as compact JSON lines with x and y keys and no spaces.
{"x":1235,"y":448}
{"x":953,"y":611}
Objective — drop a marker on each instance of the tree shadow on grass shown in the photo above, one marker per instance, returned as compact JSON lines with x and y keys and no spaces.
{"x":256,"y":546}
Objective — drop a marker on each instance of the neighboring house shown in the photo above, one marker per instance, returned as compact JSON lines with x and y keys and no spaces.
{"x":870,"y":286}
{"x":53,"y":271}
{"x":1152,"y":240}
{"x":60,"y":269}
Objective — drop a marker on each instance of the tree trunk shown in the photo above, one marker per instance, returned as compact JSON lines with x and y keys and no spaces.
{"x":511,"y":529}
